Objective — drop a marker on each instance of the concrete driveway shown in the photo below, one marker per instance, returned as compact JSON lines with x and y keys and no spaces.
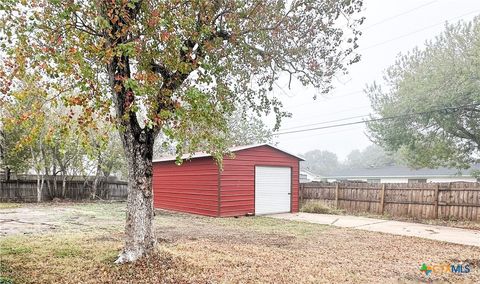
{"x":438,"y":233}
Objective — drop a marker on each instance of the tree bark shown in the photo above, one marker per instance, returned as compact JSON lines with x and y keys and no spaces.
{"x":139,"y":239}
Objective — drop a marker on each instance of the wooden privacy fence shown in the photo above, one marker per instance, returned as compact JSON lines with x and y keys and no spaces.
{"x":458,"y":201}
{"x":26,"y":190}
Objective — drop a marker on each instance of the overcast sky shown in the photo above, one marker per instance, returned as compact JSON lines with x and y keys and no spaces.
{"x":391,"y":27}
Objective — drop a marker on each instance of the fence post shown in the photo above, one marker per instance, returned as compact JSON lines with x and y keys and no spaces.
{"x":382,"y":199}
{"x":336,"y":196}
{"x":435,"y":212}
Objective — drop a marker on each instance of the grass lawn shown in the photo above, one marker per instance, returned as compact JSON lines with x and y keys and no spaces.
{"x":77,"y":243}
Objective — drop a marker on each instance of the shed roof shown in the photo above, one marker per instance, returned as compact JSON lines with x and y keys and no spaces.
{"x":232,"y":150}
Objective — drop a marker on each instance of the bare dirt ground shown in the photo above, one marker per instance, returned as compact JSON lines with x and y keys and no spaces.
{"x":43,"y":218}
{"x":68,"y":243}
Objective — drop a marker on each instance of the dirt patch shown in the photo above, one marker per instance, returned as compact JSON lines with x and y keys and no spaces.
{"x":48,"y":217}
{"x":337,"y":255}
{"x":220,"y":234}
{"x":25,"y":220}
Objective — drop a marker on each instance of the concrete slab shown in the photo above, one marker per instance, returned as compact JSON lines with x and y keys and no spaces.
{"x":438,"y":233}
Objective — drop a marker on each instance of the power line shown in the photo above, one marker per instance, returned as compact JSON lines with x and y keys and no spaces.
{"x":375,"y":119}
{"x":329,"y":114}
{"x":319,"y":134}
{"x":417,"y":31}
{"x":366,"y":28}
{"x":387,"y":41}
{"x":323,"y":127}
{"x":325,"y":122}
{"x":399,"y":15}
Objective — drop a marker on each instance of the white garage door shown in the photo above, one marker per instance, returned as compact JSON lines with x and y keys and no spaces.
{"x":272,"y":190}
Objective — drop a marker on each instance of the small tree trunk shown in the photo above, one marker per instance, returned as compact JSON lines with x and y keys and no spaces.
{"x":64,"y":185}
{"x":139,"y":239}
{"x":46,"y":171}
{"x":46,"y":177}
{"x":39,"y":193}
{"x":38,"y":169}
{"x":94,"y":192}
{"x":40,"y":182}
{"x":54,"y":180}
{"x":40,"y":189}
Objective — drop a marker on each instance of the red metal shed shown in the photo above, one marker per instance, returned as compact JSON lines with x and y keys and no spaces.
{"x":259,"y":179}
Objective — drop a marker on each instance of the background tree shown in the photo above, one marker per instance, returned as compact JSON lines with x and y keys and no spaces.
{"x":243,"y":129}
{"x":320,"y":162}
{"x":64,"y":148}
{"x":41,"y":139}
{"x":14,"y":159}
{"x":434,"y":96}
{"x":106,"y":152}
{"x":21,"y":122}
{"x":372,"y":156}
{"x":177,"y":67}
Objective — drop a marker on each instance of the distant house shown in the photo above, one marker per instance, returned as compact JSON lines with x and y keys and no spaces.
{"x":401,"y":174}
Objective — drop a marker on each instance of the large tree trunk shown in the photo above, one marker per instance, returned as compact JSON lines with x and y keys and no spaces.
{"x":137,"y":141}
{"x":139,"y":239}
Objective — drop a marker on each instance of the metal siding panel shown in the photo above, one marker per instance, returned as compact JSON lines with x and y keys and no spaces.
{"x":188,"y":209}
{"x":191,"y":187}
